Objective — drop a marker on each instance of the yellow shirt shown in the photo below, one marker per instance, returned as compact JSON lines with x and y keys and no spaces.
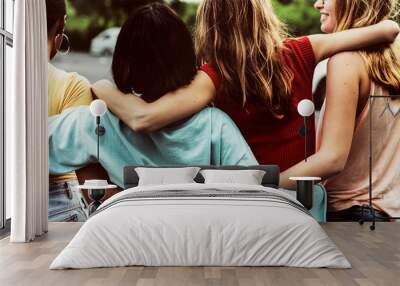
{"x":66,"y":90}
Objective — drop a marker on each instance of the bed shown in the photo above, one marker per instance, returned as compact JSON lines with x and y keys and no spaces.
{"x":201,"y":224}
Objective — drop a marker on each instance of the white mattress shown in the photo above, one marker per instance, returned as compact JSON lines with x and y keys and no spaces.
{"x":200,"y":231}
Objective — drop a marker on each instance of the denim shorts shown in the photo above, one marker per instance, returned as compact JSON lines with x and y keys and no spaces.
{"x":66,"y":203}
{"x":356,"y":213}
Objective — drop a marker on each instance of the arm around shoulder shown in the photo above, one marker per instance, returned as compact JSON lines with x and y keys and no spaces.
{"x":327,"y":45}
{"x":131,"y":109}
{"x":147,"y":117}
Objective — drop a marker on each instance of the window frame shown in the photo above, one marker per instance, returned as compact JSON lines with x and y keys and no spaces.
{"x":6,"y":39}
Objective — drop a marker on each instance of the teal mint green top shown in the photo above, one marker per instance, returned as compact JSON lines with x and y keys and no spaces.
{"x":207,"y":138}
{"x":320,"y":200}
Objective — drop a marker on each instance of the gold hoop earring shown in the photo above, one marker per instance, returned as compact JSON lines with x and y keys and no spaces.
{"x":64,"y":41}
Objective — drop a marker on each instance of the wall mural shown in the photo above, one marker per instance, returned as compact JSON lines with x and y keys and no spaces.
{"x":224,"y":83}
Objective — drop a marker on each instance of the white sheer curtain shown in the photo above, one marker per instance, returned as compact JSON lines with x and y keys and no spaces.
{"x":26,"y":117}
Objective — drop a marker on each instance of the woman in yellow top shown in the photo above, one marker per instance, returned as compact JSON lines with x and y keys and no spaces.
{"x":64,"y":90}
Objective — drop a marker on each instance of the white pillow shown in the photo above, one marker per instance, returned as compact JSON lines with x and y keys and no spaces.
{"x":166,"y":176}
{"x":245,"y":177}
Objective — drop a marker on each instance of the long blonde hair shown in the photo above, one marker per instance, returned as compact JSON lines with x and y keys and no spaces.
{"x":383,"y":61}
{"x":243,"y":41}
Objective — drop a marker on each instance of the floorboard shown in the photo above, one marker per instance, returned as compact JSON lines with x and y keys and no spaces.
{"x":375,"y":257}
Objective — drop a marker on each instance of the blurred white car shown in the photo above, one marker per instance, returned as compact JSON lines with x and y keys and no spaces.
{"x":104,"y":43}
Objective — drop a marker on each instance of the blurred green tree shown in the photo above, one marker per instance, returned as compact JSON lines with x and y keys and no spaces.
{"x":299,"y":15}
{"x":89,"y":18}
{"x":86,"y":19}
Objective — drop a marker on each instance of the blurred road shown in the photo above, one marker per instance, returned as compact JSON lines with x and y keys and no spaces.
{"x":93,"y":68}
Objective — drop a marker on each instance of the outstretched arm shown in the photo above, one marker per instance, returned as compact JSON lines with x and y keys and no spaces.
{"x":338,"y":122}
{"x":147,"y":117}
{"x":327,"y":45}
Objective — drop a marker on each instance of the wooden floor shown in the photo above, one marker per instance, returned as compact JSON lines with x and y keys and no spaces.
{"x":375,"y":257}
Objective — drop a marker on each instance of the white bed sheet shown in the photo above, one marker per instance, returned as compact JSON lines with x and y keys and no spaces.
{"x":200,"y":232}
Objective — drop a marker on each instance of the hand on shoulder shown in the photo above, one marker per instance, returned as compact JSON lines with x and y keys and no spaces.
{"x":101,"y":87}
{"x":392,"y":28}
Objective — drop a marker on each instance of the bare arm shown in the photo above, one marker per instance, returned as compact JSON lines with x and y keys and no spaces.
{"x":174,"y":106}
{"x":326,"y":45}
{"x":338,"y":123}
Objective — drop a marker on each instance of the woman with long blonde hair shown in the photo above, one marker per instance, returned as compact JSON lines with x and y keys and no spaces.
{"x":250,"y":70}
{"x":342,"y":137}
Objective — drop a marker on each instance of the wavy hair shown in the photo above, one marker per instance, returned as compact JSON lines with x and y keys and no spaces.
{"x":243,"y":41}
{"x":383,"y":61}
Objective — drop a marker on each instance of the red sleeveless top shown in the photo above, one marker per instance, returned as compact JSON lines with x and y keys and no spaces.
{"x":277,"y":141}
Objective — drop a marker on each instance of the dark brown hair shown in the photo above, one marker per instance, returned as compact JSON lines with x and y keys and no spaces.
{"x":154,"y":53}
{"x":55,"y":11}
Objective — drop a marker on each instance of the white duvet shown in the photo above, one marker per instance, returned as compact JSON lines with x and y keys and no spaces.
{"x":200,"y":231}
